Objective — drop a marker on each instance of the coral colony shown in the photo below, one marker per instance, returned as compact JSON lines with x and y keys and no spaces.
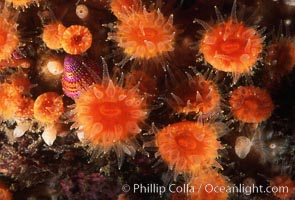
{"x":147,"y":99}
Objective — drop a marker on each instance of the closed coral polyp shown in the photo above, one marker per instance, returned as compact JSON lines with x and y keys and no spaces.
{"x":25,"y":108}
{"x":76,"y":39}
{"x":21,"y":82}
{"x":11,"y":93}
{"x":48,"y":107}
{"x":52,"y":35}
{"x":9,"y":101}
{"x":8,"y":40}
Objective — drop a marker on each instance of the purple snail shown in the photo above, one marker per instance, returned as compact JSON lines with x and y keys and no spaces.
{"x":79,"y":73}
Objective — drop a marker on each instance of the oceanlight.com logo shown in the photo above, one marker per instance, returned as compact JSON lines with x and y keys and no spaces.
{"x":245,"y":189}
{"x":155,"y":188}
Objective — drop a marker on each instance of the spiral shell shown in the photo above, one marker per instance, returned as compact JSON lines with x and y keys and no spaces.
{"x":78,"y":75}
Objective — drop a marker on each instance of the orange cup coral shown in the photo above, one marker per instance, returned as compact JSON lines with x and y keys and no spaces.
{"x":109,"y":116}
{"x":8,"y":38}
{"x":210,"y":186}
{"x":52,"y":35}
{"x":251,"y":104}
{"x":285,"y":184}
{"x":12,"y":100}
{"x":200,"y":96}
{"x":21,"y":82}
{"x":231,"y":47}
{"x":8,"y":101}
{"x":123,"y":7}
{"x":188,"y":147}
{"x":48,"y":107}
{"x":21,"y":3}
{"x":145,"y":35}
{"x":5,"y":194}
{"x":279,"y":60}
{"x":25,"y":108}
{"x":76,"y":39}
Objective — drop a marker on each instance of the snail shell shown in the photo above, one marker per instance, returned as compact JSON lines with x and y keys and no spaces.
{"x":78,"y":75}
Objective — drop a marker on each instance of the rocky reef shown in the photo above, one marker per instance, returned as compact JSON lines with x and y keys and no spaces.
{"x":147,"y":99}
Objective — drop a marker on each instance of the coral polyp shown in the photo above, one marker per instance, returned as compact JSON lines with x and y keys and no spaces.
{"x":25,"y":109}
{"x":145,"y":35}
{"x":110,"y":117}
{"x":21,"y":3}
{"x":9,"y":100}
{"x":5,"y":194}
{"x":48,"y":107}
{"x":9,"y":39}
{"x":188,"y":147}
{"x":12,"y":100}
{"x":147,"y":84}
{"x":214,"y":179}
{"x":76,"y":39}
{"x":21,"y":82}
{"x":123,"y":7}
{"x":201,"y":96}
{"x":287,"y":183}
{"x":280,"y":60}
{"x":182,"y":109}
{"x":251,"y":104}
{"x":231,"y":46}
{"x":52,"y":35}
